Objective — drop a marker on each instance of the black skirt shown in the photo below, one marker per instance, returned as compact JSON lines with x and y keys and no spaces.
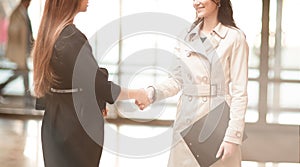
{"x":65,"y":143}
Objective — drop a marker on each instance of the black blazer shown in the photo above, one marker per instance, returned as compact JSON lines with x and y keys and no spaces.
{"x":73,"y":126}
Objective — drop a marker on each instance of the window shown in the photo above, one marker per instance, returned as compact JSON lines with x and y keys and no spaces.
{"x":284,"y":67}
{"x":251,"y":25}
{"x":282,"y":85}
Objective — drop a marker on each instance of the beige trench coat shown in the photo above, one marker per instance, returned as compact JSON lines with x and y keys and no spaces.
{"x":207,"y":74}
{"x":17,"y":49}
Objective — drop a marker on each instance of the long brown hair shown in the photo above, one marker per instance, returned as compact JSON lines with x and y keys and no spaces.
{"x":57,"y":15}
{"x":225,"y":14}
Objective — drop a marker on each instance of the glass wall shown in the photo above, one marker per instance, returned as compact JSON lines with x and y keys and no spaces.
{"x":6,"y":8}
{"x":283,"y":70}
{"x":251,"y":25}
{"x":284,"y":66}
{"x":283,"y":83}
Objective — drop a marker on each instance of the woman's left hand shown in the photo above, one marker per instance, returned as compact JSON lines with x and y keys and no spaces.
{"x":227,"y":149}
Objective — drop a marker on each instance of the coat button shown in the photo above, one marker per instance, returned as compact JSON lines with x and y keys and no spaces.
{"x":190,"y":98}
{"x":238,"y":134}
{"x":188,"y":54}
{"x":205,"y":79}
{"x":204,"y":99}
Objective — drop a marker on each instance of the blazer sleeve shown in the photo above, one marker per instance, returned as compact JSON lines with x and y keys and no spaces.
{"x":92,"y":79}
{"x":106,"y":90}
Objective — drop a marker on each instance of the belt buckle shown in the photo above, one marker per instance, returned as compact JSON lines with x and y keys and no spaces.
{"x":213,"y":90}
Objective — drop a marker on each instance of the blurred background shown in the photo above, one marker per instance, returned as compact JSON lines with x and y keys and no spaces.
{"x":273,"y":115}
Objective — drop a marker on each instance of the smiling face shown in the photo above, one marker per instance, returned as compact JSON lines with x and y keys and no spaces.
{"x":206,"y":8}
{"x":83,"y":5}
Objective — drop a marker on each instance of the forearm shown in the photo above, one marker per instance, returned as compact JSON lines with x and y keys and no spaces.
{"x":168,"y":88}
{"x":126,"y":94}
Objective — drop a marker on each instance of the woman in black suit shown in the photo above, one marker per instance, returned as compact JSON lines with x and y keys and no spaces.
{"x":75,"y":89}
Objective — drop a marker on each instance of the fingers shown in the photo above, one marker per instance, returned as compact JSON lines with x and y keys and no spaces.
{"x":104,"y":112}
{"x":141,"y":105}
{"x":142,"y":99}
{"x":227,"y":149}
{"x":220,"y":151}
{"x":137,"y":102}
{"x":225,"y":155}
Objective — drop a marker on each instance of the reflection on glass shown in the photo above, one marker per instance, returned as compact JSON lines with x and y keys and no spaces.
{"x":30,"y":149}
{"x":284,"y":117}
{"x":283,"y":97}
{"x":290,"y":95}
{"x":251,"y":116}
{"x":253,"y":73}
{"x":253,"y":95}
{"x":268,"y":164}
{"x":250,"y":24}
{"x":284,"y":109}
{"x":290,"y":75}
{"x":98,"y":15}
{"x":290,"y":9}
{"x":290,"y":118}
{"x":141,"y":131}
{"x":289,"y":48}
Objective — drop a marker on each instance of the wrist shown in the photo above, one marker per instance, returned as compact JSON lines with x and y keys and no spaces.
{"x":132,"y":93}
{"x":151,"y":93}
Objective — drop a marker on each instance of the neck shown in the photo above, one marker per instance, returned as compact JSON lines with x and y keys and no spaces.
{"x":209,"y":23}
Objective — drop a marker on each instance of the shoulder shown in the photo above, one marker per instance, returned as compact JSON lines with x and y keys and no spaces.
{"x":16,"y":11}
{"x":70,"y":36}
{"x":236,"y":34}
{"x":70,"y":31}
{"x":16,"y":15}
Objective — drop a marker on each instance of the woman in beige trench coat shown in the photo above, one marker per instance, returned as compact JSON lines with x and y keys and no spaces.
{"x":212,"y":67}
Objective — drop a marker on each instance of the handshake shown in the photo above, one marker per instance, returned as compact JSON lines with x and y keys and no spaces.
{"x":143,"y":97}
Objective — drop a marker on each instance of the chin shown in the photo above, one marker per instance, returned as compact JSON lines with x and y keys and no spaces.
{"x":200,"y":15}
{"x":83,"y":10}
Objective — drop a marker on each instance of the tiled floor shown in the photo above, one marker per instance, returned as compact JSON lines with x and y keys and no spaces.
{"x":20,"y":142}
{"x":20,"y":146}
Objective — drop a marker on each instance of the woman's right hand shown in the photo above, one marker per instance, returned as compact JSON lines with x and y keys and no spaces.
{"x":142,"y":99}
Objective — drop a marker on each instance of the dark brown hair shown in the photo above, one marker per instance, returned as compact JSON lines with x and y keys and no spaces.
{"x":225,"y":14}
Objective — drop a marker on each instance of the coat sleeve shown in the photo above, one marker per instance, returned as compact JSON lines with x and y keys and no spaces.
{"x":17,"y":35}
{"x":239,"y":80}
{"x":173,"y":84}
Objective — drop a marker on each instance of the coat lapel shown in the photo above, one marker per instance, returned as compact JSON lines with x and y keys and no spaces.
{"x":214,"y":39}
{"x":207,"y":48}
{"x":194,"y":42}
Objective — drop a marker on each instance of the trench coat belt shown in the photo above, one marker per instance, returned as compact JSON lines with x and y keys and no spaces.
{"x":202,"y":90}
{"x":74,"y":90}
